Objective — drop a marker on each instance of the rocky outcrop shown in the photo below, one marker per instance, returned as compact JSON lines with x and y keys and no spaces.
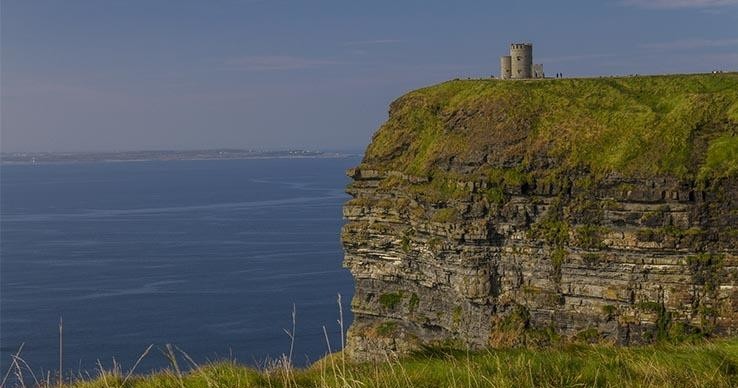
{"x":513,"y":245}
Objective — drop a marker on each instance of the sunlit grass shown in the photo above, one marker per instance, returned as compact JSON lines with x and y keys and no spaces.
{"x":708,"y":364}
{"x":631,"y":125}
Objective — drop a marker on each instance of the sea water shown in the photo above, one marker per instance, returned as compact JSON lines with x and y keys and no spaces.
{"x":210,"y":256}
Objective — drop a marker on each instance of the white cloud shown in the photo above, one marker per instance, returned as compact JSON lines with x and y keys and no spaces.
{"x":671,"y":4}
{"x":275,"y":63}
{"x":688,"y":44}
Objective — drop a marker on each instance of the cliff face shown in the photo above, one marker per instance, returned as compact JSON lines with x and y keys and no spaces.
{"x":495,"y":213}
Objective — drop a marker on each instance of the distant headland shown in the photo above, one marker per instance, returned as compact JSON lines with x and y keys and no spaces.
{"x":163,"y":155}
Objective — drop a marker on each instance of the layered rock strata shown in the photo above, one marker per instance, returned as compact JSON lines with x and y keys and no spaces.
{"x":514,"y":245}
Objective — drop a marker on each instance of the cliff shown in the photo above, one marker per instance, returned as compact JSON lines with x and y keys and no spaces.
{"x":497,"y":213}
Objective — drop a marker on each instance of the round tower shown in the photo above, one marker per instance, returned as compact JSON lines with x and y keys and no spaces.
{"x":505,"y":67}
{"x":521,"y":58}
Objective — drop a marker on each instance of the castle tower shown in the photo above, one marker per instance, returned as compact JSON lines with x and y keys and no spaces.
{"x":505,"y":67}
{"x":521,"y":58}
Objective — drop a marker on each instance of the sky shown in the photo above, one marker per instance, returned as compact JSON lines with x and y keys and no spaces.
{"x":96,"y":75}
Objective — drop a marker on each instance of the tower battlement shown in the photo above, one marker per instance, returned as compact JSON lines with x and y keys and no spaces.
{"x":519,"y":64}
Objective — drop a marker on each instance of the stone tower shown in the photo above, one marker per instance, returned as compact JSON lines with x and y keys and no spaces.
{"x":505,"y":67}
{"x":521,"y":59}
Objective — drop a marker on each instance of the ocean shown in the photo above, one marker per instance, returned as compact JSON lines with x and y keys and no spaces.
{"x":209,"y":256}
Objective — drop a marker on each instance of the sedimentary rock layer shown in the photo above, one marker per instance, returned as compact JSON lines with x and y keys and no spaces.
{"x":493,"y":213}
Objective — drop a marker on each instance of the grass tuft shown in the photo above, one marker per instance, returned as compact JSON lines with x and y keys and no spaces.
{"x":700,"y":364}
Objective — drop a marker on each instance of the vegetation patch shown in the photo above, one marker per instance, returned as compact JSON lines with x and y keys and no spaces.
{"x":495,"y":195}
{"x":666,"y":328}
{"x":360,"y":202}
{"x":586,"y":210}
{"x":405,"y":244}
{"x":589,"y":237}
{"x":540,"y":337}
{"x":405,"y":241}
{"x":384,"y":203}
{"x":591,"y":259}
{"x":511,"y":178}
{"x":722,"y":157}
{"x":609,"y":311}
{"x":435,"y":243}
{"x":558,"y":258}
{"x":650,"y":306}
{"x":679,"y":233}
{"x":441,"y":187}
{"x":500,"y":180}
{"x":390,"y":300}
{"x":444,"y":215}
{"x":590,"y":335}
{"x":663,"y":319}
{"x":656,"y":217}
{"x":684,"y":332}
{"x":649,"y":235}
{"x":553,"y":231}
{"x":386,"y":329}
{"x":413,"y":302}
{"x":456,"y":316}
{"x":706,"y":269}
{"x":391,"y":183}
{"x":667,"y":232}
{"x":516,"y":320}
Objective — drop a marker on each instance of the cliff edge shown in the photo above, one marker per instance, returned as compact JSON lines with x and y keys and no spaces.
{"x":497,"y":213}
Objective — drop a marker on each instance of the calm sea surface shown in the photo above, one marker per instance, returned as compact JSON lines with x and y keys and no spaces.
{"x":206,"y":255}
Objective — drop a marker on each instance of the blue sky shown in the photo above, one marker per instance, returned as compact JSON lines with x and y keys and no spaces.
{"x":154,"y":74}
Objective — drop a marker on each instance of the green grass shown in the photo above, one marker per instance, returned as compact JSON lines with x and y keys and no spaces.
{"x":701,"y":364}
{"x":722,"y":157}
{"x":390,"y":300}
{"x":444,"y":215}
{"x":681,"y":125}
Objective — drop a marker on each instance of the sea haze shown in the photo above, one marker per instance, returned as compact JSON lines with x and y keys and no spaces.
{"x":207,"y":255}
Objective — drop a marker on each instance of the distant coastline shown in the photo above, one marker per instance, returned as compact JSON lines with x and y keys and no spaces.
{"x":25,"y":158}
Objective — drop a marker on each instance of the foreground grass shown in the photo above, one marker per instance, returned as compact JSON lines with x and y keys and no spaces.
{"x":708,"y":364}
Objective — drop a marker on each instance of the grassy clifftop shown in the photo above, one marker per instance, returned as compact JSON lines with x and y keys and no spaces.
{"x":680,"y":125}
